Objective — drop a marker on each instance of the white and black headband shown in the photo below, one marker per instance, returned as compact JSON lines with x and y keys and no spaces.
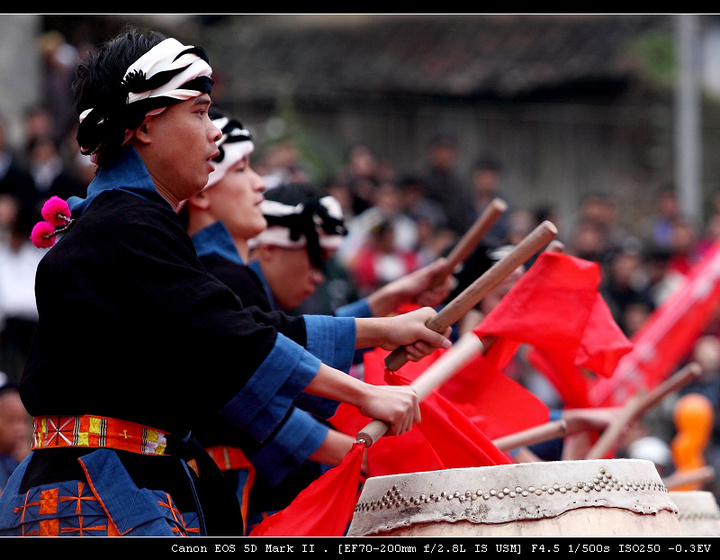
{"x":298,"y":218}
{"x":234,"y":145}
{"x":168,"y":73}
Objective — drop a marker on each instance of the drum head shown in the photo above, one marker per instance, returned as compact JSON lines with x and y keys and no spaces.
{"x":494,"y":496}
{"x":698,"y":512}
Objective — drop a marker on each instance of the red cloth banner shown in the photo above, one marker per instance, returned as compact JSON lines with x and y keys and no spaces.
{"x":667,"y":337}
{"x":556,"y":309}
{"x":324,"y":508}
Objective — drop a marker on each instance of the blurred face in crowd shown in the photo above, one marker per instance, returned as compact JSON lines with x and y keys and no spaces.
{"x":9,"y":208}
{"x":443,"y":155}
{"x":15,"y":427}
{"x":485,"y":181}
{"x":684,"y":236}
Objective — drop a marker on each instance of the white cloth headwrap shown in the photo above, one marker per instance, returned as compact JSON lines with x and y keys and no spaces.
{"x":235,"y":143}
{"x":280,"y":235}
{"x":167,"y":56}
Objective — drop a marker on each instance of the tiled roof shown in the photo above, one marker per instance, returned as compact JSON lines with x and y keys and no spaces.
{"x":466,"y":55}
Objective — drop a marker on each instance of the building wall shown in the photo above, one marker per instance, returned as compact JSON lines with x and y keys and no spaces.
{"x":19,"y":68}
{"x":552,"y":153}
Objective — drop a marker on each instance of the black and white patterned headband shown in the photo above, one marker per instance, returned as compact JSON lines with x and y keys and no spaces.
{"x":236,"y":143}
{"x":167,"y":73}
{"x":302,"y":219}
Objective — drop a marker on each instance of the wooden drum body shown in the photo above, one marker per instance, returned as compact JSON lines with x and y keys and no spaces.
{"x":698,"y":513}
{"x":559,"y":498}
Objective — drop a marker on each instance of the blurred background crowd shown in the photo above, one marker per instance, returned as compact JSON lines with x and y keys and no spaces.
{"x":400,"y":215}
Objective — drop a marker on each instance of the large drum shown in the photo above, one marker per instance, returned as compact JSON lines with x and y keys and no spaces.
{"x":560,"y":498}
{"x":698,"y":513}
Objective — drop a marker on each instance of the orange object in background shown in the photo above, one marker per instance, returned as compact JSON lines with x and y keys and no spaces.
{"x":693,"y":416}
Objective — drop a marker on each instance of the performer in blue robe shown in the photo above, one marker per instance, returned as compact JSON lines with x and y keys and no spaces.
{"x":136,"y":340}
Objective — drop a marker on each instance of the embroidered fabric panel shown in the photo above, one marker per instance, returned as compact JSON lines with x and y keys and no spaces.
{"x":91,"y":431}
{"x":72,"y":509}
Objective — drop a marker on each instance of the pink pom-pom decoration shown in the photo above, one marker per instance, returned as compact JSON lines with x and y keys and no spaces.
{"x":56,"y":211}
{"x":43,"y":235}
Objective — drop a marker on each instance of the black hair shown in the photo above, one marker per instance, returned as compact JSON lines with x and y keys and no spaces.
{"x":487,"y":163}
{"x":99,"y":84}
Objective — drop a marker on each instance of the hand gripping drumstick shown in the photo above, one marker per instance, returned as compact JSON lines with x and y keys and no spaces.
{"x":438,"y":372}
{"x":469,"y":344}
{"x":471,"y":296}
{"x":472,"y":237}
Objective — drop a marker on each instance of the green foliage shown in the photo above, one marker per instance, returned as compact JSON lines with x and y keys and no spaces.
{"x":654,"y":55}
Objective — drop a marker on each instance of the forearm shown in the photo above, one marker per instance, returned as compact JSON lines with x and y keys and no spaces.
{"x":334,"y":448}
{"x":405,"y":329}
{"x":336,"y":385}
{"x":371,"y":332}
{"x":385,"y":300}
{"x":396,"y":405}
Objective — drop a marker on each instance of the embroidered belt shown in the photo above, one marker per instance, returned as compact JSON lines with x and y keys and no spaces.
{"x":97,"y":432}
{"x":229,"y":458}
{"x":233,"y":459}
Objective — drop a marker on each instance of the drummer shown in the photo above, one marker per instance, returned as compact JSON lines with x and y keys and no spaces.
{"x":135,"y":340}
{"x":221,"y":219}
{"x":305,"y":228}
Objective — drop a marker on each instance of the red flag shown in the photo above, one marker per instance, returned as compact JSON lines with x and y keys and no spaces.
{"x":549,"y":306}
{"x":374,"y":369}
{"x":444,"y":439}
{"x":667,"y":336}
{"x":474,"y":388}
{"x":557,"y":310}
{"x":409,"y":452}
{"x":602,"y":347}
{"x":324,"y":508}
{"x":568,"y":380}
{"x":603,"y":344}
{"x":453,"y":436}
{"x":482,"y":392}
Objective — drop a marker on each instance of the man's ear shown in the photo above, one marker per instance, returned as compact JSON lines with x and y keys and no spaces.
{"x":265,"y":252}
{"x":142,"y":134}
{"x":201,"y":201}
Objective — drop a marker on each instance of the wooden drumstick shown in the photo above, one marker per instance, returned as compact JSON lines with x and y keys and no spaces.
{"x":696,"y":478}
{"x":435,"y":375}
{"x":556,"y":246}
{"x":471,"y":296}
{"x":536,"y":434}
{"x":469,"y":344}
{"x":472,"y":237}
{"x":638,"y":406}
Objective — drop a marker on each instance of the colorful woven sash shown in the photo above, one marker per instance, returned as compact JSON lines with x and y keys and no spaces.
{"x":229,"y":458}
{"x":233,"y":459}
{"x":97,"y":432}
